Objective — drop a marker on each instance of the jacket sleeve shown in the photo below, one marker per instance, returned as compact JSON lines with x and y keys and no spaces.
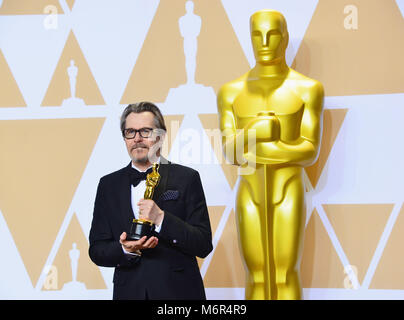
{"x":192,"y":235}
{"x":105,"y":250}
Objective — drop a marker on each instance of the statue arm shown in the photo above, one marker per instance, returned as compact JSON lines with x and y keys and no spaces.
{"x":227,"y":123}
{"x":304,"y":150}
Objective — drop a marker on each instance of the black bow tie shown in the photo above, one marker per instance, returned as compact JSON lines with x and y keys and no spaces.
{"x":137,"y":176}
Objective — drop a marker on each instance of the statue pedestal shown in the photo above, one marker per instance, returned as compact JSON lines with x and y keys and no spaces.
{"x":73,"y":102}
{"x":192,"y":96}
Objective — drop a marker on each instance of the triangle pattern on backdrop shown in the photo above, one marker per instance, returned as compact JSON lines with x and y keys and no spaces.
{"x":332,"y":122}
{"x":358,"y":228}
{"x":320,"y":266}
{"x":71,"y":72}
{"x":10,"y":94}
{"x":28,"y":7}
{"x":389,"y":272}
{"x":47,"y":185}
{"x":70,"y":3}
{"x":161,"y":62}
{"x":73,"y":253}
{"x":210,"y":123}
{"x":226,"y":269}
{"x":360,"y":60}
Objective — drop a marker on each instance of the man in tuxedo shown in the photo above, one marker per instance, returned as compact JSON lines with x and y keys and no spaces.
{"x":163,"y":266}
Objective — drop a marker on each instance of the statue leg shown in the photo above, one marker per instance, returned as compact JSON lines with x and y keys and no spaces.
{"x":73,"y":87}
{"x":249,"y":222}
{"x":288,"y":231}
{"x":190,"y":50}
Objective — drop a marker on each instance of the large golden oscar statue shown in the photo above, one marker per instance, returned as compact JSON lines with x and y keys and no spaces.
{"x":284,"y":110}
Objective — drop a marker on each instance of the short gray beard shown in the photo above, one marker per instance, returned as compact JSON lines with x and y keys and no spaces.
{"x":152,"y":156}
{"x":141,"y":160}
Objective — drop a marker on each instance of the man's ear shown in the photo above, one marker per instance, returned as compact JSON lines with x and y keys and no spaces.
{"x":155,"y":149}
{"x":160,"y":135}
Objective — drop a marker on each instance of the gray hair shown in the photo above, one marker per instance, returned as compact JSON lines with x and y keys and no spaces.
{"x":140,"y":107}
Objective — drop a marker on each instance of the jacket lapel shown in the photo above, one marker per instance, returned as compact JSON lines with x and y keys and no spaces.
{"x":164,"y":172}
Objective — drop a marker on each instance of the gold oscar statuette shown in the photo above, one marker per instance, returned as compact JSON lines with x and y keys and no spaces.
{"x":143,"y":227}
{"x":282,"y":110}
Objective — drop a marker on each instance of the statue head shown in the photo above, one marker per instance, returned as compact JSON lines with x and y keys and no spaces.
{"x":189,"y":6}
{"x":269,"y":36}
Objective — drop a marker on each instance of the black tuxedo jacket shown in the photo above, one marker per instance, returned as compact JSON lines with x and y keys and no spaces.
{"x":170,"y":270}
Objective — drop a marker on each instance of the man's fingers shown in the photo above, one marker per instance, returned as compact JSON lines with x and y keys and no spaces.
{"x":144,"y":217}
{"x":144,"y":201}
{"x":122,"y":238}
{"x":154,"y":243}
{"x":142,"y":243}
{"x":151,"y":242}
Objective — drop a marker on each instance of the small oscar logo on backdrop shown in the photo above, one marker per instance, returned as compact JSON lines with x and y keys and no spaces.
{"x":74,"y":285}
{"x":199,"y":95}
{"x":73,"y":101}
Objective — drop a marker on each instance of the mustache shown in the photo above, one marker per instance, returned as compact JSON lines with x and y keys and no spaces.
{"x":139,"y":145}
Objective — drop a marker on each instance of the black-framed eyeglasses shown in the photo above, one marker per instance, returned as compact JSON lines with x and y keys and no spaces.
{"x":130,"y":133}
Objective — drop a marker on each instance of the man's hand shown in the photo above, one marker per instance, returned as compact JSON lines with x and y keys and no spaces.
{"x":135,"y":246}
{"x":149,"y":210}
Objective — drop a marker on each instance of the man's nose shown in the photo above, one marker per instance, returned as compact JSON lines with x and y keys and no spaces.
{"x":265,"y":39}
{"x":137,"y":137}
